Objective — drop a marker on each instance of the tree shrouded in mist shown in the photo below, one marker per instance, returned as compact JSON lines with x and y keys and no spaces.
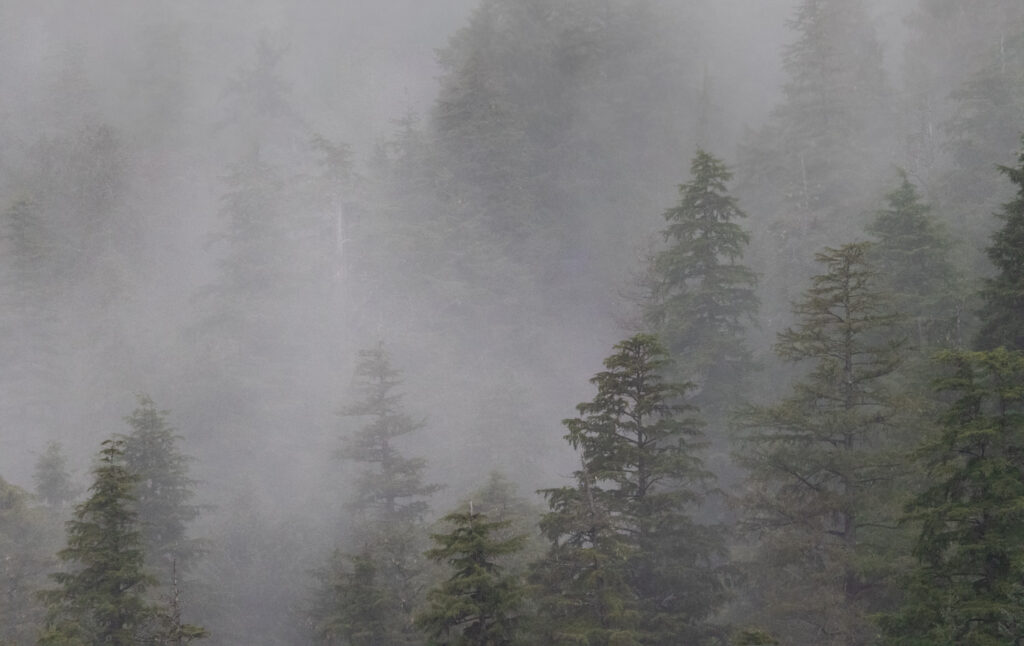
{"x":628,"y":563}
{"x":819,"y":460}
{"x":701,"y":295}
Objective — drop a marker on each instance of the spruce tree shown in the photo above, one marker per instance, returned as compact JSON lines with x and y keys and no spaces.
{"x":100,"y":595}
{"x":701,"y":295}
{"x":913,"y":257}
{"x":163,"y":494}
{"x":389,"y":501}
{"x":640,"y":481}
{"x":1002,"y":315}
{"x":822,"y":463}
{"x":164,"y":490}
{"x":967,"y":586}
{"x":478,"y":604}
{"x":390,"y":490}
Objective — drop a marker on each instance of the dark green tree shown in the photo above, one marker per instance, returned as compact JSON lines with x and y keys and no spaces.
{"x":822,"y":462}
{"x":478,"y":605}
{"x":1002,"y":314}
{"x":967,"y":586}
{"x":701,"y":295}
{"x":164,"y":491}
{"x":100,"y":595}
{"x":52,"y":482}
{"x":630,"y":513}
{"x":913,"y":257}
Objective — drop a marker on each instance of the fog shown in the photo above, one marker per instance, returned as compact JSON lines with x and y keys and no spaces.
{"x":224,"y":202}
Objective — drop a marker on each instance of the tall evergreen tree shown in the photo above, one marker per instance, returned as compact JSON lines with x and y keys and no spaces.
{"x":701,"y":295}
{"x":1002,"y":314}
{"x":913,"y":256}
{"x":351,"y":607}
{"x":100,"y":597}
{"x":822,"y":463}
{"x":389,"y":501}
{"x":478,"y":604}
{"x":163,"y":493}
{"x":640,"y":481}
{"x":52,"y":482}
{"x":967,"y":586}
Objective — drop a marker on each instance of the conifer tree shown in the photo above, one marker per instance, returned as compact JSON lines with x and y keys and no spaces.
{"x":389,"y":501}
{"x":967,"y":586}
{"x":1002,"y":315}
{"x":164,"y":490}
{"x":821,"y":464}
{"x":52,"y":483}
{"x":701,"y":294}
{"x":351,"y":606}
{"x":630,"y":511}
{"x":100,"y":596}
{"x":478,"y":604}
{"x":912,"y":255}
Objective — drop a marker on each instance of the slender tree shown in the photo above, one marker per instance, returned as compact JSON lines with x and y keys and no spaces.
{"x":630,"y":512}
{"x":390,"y":500}
{"x":27,"y":537}
{"x":164,"y":491}
{"x":967,"y":586}
{"x":100,"y":596}
{"x":478,"y":604}
{"x":1002,"y":315}
{"x":821,"y":462}
{"x":701,"y":295}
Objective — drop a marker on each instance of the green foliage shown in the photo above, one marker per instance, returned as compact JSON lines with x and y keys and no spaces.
{"x":913,"y":258}
{"x":823,"y":462}
{"x":1002,"y":315}
{"x":478,"y":604}
{"x":700,"y":295}
{"x":163,"y":494}
{"x":634,"y":567}
{"x":351,"y":607}
{"x":52,"y":483}
{"x":100,"y":596}
{"x":967,"y":586}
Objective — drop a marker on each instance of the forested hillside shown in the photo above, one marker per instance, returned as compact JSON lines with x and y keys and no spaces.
{"x":497,"y":322}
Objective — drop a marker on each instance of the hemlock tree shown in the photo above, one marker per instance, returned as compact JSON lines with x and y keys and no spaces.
{"x":478,"y":604}
{"x":967,"y":586}
{"x":700,"y":294}
{"x":629,"y":514}
{"x":100,"y":595}
{"x":913,"y":258}
{"x":1002,"y":316}
{"x":163,"y":493}
{"x":822,"y":462}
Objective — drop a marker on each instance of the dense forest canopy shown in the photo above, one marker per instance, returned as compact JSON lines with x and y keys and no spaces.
{"x":297,"y":300}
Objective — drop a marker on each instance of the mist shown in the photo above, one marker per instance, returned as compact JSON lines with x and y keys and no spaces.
{"x":220,"y":205}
